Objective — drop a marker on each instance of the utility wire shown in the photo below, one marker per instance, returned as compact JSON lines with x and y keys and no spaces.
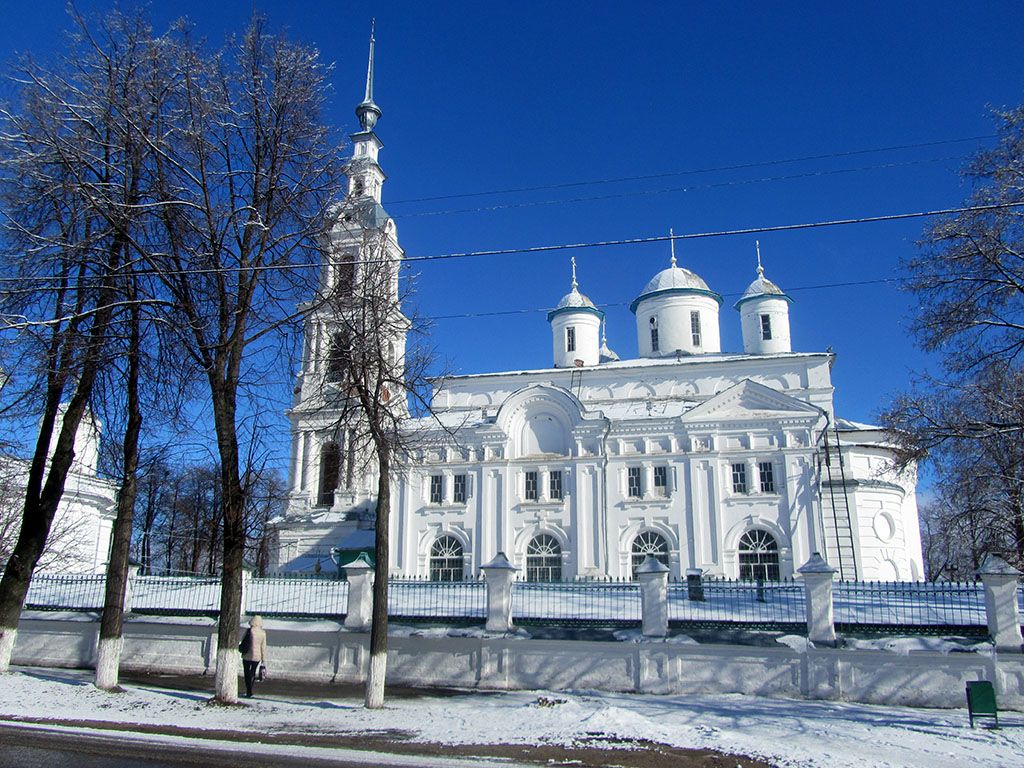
{"x":605,"y":305}
{"x":676,"y":190}
{"x":693,"y":171}
{"x":574,"y":246}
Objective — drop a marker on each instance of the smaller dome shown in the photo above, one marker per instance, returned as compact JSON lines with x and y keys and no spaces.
{"x":674,"y":277}
{"x":761,"y":286}
{"x":606,"y":354}
{"x":575,"y":299}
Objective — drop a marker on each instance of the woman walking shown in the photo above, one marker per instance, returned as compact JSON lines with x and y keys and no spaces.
{"x":254,"y":652}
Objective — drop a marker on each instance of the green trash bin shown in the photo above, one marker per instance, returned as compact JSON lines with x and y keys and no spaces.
{"x":981,"y":701}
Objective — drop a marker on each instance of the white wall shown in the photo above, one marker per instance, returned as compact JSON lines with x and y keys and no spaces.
{"x":324,"y":651}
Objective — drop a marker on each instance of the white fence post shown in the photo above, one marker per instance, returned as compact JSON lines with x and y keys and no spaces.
{"x":129,"y":587}
{"x":500,"y":573}
{"x":359,"y":573}
{"x":246,"y":578}
{"x":653,"y":575}
{"x":1000,"y":581}
{"x":821,"y":628}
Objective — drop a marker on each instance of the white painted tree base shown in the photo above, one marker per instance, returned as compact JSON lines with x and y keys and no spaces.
{"x":226,"y":683}
{"x":108,"y":662}
{"x":375,"y":681}
{"x":8,"y":636}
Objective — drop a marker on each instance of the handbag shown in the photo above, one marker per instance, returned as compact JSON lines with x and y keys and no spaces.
{"x":245,"y":646}
{"x":262,"y":673}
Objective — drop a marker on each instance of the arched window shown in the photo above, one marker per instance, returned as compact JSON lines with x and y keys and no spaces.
{"x":330,"y":466}
{"x":340,"y":356}
{"x":544,"y":559}
{"x":649,"y":543}
{"x":446,"y":559}
{"x":759,"y":556}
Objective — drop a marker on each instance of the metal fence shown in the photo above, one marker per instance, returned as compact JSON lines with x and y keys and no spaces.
{"x":865,"y":607}
{"x":451,"y":601}
{"x":930,"y":607}
{"x":176,"y":595}
{"x":74,"y":592}
{"x":779,"y":605}
{"x":577,"y":603}
{"x":291,"y":596}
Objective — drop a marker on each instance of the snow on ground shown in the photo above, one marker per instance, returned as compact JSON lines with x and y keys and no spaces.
{"x":789,"y":732}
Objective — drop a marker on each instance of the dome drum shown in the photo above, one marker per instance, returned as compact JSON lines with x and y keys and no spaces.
{"x":576,"y":336}
{"x":765,"y":324}
{"x":670,"y":322}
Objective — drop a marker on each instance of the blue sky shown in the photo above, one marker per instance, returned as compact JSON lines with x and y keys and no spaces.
{"x":479,"y":97}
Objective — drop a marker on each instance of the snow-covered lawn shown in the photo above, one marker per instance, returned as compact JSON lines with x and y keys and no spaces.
{"x":787,"y":732}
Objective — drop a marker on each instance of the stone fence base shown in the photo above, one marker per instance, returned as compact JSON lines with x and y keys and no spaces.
{"x":324,"y":651}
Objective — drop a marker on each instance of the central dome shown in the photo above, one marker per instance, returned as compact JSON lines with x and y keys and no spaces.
{"x":674,"y":277}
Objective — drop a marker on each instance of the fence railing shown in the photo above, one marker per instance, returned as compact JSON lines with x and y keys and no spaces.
{"x":176,"y":595}
{"x":456,"y":601}
{"x":871,"y":607}
{"x":70,"y":592}
{"x":885,"y":606}
{"x":576,"y":603}
{"x":724,"y":602}
{"x":288,"y":596}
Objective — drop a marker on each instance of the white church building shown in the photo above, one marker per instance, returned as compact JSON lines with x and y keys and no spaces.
{"x":79,"y":540}
{"x":731,"y":462}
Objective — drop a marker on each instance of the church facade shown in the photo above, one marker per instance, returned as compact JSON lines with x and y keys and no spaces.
{"x":733,"y":463}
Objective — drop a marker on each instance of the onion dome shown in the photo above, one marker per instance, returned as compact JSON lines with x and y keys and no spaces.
{"x":675,"y":279}
{"x":606,"y":355}
{"x":762,"y":287}
{"x":574,"y":300}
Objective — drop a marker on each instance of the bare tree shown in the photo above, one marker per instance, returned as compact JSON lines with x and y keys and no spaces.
{"x":375,"y":380}
{"x":72,"y":161}
{"x":247,"y":171}
{"x":969,"y":281}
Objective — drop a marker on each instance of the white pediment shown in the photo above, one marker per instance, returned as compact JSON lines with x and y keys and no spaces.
{"x":747,"y":401}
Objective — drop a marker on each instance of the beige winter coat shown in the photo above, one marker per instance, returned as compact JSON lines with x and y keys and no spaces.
{"x":258,"y":649}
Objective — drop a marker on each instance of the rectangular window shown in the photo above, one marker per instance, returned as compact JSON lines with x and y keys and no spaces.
{"x":739,"y":478}
{"x":459,"y":489}
{"x":436,"y":489}
{"x":695,"y":327}
{"x":570,"y":339}
{"x":654,"y":339}
{"x":531,"y":486}
{"x":555,"y":485}
{"x":635,"y":489}
{"x":767,"y":474}
{"x":766,"y":327}
{"x":661,"y":481}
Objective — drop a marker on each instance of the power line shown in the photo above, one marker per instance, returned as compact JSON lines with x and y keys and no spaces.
{"x":605,"y":305}
{"x":575,"y":246}
{"x":676,"y":190}
{"x":694,"y":171}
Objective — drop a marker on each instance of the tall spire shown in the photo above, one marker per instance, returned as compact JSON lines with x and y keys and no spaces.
{"x":575,"y":285}
{"x":368,"y":111}
{"x":672,"y":240}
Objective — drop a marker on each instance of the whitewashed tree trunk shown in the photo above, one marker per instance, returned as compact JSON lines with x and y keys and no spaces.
{"x":108,"y":662}
{"x":226,"y":680}
{"x":375,"y":680}
{"x":8,"y":636}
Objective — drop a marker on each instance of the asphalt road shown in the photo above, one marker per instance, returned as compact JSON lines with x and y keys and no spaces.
{"x":44,"y":748}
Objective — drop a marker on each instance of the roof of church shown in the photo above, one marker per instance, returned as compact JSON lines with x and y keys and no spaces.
{"x":366,"y":212}
{"x":675,"y":277}
{"x":575,"y":299}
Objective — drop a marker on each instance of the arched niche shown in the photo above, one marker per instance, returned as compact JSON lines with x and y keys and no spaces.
{"x":543,"y":433}
{"x":539,"y":421}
